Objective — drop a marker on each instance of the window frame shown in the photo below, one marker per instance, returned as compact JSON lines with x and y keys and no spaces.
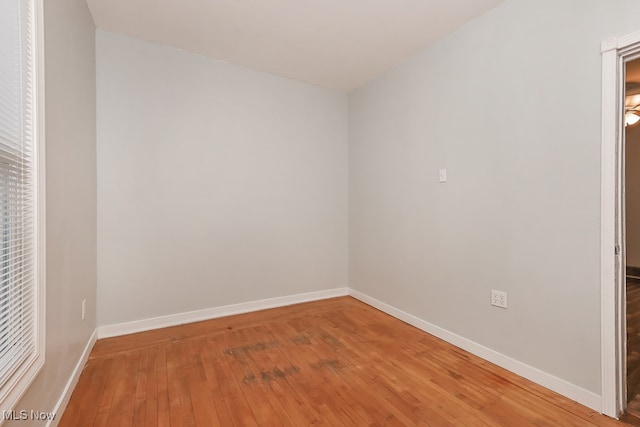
{"x":13,"y":390}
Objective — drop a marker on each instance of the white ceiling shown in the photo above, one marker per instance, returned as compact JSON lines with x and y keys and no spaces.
{"x":340,"y":44}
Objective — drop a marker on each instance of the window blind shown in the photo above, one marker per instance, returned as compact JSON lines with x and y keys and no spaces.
{"x":18,"y":296}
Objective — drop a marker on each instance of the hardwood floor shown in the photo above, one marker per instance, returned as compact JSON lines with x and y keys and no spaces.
{"x":334,"y":362}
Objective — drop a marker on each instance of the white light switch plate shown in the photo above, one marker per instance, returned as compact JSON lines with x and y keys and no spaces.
{"x":442,"y":175}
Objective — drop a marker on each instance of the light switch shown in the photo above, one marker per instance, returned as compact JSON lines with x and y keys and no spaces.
{"x":442,"y":175}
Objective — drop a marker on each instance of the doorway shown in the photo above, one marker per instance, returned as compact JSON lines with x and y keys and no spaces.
{"x":616,"y":53}
{"x":631,"y":234}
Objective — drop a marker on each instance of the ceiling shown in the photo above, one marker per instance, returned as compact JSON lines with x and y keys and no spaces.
{"x":341,"y":44}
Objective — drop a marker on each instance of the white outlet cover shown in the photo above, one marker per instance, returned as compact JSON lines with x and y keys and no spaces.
{"x":442,"y":175}
{"x":499,"y":299}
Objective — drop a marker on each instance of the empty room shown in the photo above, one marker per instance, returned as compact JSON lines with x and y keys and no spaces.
{"x":296,"y":212}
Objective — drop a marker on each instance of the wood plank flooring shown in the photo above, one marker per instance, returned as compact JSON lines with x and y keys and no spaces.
{"x":336,"y":362}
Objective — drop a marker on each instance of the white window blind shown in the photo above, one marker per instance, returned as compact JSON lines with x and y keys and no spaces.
{"x":19,"y":334}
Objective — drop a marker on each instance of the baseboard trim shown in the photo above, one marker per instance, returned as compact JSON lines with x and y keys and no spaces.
{"x":62,"y":402}
{"x":571,"y":391}
{"x":215,"y":312}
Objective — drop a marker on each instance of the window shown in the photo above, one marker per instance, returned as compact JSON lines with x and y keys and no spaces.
{"x":21,"y":278}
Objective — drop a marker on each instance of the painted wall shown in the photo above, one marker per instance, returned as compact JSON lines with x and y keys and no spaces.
{"x":217,"y":184}
{"x":633,"y":195}
{"x":71,"y":195}
{"x":510,"y":105}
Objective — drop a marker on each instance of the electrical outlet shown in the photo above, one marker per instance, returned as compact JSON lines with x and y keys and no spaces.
{"x":84,"y":308}
{"x":499,"y":299}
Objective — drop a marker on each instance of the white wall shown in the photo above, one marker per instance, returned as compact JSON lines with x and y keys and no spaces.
{"x":217,"y":184}
{"x":510,"y":105}
{"x":71,"y":195}
{"x":632,"y":191}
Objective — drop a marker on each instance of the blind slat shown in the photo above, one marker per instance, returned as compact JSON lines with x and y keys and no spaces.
{"x":17,"y":189}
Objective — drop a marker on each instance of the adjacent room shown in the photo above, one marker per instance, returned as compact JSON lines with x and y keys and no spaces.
{"x":293,"y":212}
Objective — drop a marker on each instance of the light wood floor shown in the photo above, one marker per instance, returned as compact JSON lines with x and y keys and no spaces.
{"x":337,"y":362}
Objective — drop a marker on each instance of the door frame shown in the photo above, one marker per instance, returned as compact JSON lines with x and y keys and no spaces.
{"x":615,"y":53}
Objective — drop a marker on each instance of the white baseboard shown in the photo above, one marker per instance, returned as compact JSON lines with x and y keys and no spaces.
{"x":580,"y":395}
{"x":62,"y":402}
{"x":215,"y":312}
